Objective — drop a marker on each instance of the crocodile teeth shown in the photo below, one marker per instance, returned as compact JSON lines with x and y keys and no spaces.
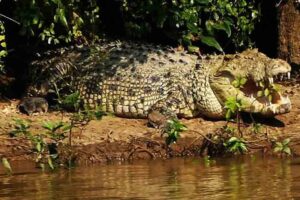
{"x":289,"y":75}
{"x":271,"y":80}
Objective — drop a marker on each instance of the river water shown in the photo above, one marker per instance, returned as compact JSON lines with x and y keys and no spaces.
{"x":235,"y":178}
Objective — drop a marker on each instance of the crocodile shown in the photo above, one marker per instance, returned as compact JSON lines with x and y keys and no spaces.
{"x":132,"y":79}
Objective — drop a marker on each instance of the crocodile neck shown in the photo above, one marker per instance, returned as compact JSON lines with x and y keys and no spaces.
{"x":206,"y":101}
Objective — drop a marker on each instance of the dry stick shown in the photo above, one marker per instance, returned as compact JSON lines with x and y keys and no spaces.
{"x":11,"y":19}
{"x":204,"y":136}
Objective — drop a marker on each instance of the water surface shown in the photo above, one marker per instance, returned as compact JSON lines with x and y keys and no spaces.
{"x":239,"y":178}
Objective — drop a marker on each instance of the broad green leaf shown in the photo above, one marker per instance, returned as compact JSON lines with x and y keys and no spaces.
{"x":50,"y":163}
{"x":212,"y":42}
{"x":3,"y":53}
{"x":243,"y":81}
{"x":38,"y":147}
{"x":270,"y":98}
{"x":243,"y":147}
{"x":62,"y":18}
{"x":233,"y":139}
{"x":259,"y":93}
{"x":277,"y":149}
{"x":266,"y":92}
{"x":6,"y":165}
{"x":287,"y":150}
{"x":49,"y":40}
{"x":2,"y":37}
{"x":286,"y":141}
{"x":35,"y":20}
{"x":235,"y":83}
{"x":222,"y":26}
{"x":261,"y":84}
{"x":228,"y":114}
{"x":193,"y":49}
{"x":279,"y":144}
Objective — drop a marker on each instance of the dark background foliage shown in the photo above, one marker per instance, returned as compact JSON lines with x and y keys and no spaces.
{"x":203,"y":26}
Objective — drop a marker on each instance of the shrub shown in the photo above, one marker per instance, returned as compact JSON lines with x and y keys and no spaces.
{"x":56,"y":21}
{"x":194,"y":21}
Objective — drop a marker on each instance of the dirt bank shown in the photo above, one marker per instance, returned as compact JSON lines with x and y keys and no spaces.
{"x":114,"y":138}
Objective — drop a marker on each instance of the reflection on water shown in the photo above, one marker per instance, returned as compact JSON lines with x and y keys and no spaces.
{"x":170,"y":179}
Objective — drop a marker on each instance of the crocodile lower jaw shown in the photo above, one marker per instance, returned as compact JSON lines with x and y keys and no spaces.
{"x":266,"y":104}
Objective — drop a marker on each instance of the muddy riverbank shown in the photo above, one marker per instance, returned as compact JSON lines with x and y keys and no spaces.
{"x":120,"y":139}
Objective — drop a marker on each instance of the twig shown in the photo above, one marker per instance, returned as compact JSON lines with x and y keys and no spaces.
{"x":207,"y":138}
{"x":6,"y":17}
{"x":278,"y":4}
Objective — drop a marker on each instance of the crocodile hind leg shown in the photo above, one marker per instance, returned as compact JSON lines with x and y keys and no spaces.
{"x":166,"y":109}
{"x":159,"y":115}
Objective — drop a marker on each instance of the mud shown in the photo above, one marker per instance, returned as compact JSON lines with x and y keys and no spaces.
{"x":119,"y":139}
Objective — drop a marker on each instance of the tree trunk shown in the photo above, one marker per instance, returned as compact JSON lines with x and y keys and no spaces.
{"x":289,"y":32}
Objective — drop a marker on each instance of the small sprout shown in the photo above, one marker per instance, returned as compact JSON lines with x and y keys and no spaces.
{"x":232,"y":106}
{"x":21,"y":128}
{"x":283,"y":147}
{"x":173,"y":130}
{"x":256,"y":128}
{"x":235,"y":144}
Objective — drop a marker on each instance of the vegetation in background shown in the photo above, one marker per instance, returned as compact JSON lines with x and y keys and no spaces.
{"x":56,"y":21}
{"x":216,"y":23}
{"x":44,"y":144}
{"x":3,"y":50}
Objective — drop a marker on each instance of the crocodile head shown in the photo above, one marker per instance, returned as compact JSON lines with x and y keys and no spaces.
{"x":260,"y":94}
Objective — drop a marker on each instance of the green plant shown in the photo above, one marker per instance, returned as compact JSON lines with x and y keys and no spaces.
{"x":267,"y":90}
{"x":3,"y":49}
{"x":56,"y":130}
{"x":283,"y":147}
{"x":56,"y":21}
{"x":173,"y":129}
{"x":256,"y":127}
{"x":44,"y":144}
{"x":235,"y":144}
{"x":21,"y":127}
{"x":190,"y":22}
{"x":70,"y":101}
{"x":6,"y":165}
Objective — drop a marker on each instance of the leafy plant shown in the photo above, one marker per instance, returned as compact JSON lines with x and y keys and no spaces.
{"x":232,"y":106}
{"x":21,"y":127}
{"x":191,"y":22}
{"x":235,"y":144}
{"x":283,"y":147}
{"x":71,"y":101}
{"x":3,"y":49}
{"x":56,"y":130}
{"x":56,"y":21}
{"x":173,"y":129}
